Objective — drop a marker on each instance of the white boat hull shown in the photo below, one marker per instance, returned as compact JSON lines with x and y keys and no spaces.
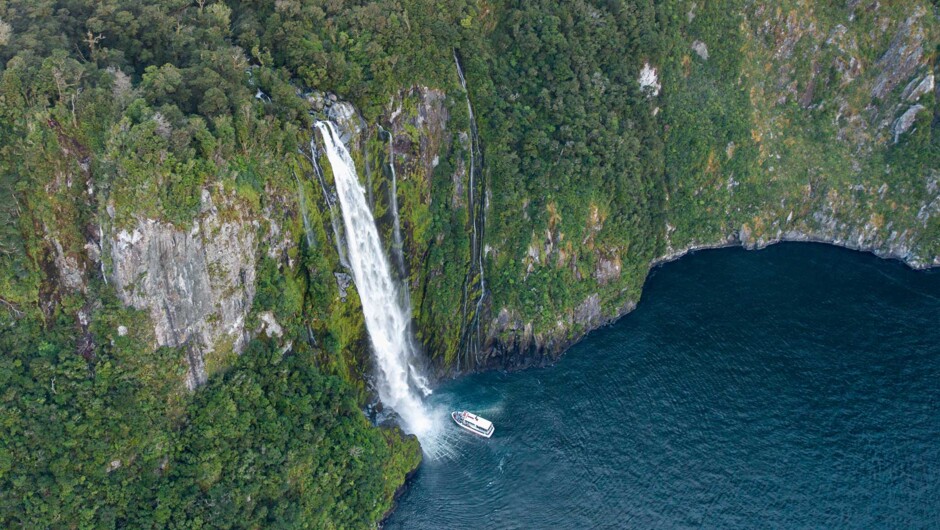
{"x":473,"y":423}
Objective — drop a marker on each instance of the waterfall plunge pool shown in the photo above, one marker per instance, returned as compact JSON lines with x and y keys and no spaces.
{"x":796,"y":386}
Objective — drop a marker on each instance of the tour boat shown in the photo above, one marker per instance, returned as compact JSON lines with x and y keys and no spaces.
{"x":473,"y":423}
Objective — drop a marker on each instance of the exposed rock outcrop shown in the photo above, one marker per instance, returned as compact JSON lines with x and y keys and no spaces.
{"x":269,"y":325}
{"x":347,"y":120}
{"x":198,"y":284}
{"x":918,"y":87}
{"x":649,"y":80}
{"x":343,"y":281}
{"x":512,"y":343}
{"x":906,"y":121}
{"x":701,"y":49}
{"x":71,"y":273}
{"x":419,"y":156}
{"x":902,"y":57}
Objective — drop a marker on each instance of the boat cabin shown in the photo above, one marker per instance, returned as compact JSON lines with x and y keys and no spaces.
{"x":473,"y":423}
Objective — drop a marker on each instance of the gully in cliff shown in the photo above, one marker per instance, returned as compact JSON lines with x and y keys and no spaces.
{"x":473,"y":423}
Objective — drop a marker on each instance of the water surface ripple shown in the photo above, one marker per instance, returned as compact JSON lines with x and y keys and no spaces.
{"x":794,"y":387}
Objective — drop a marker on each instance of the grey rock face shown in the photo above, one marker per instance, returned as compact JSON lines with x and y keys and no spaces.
{"x":269,"y":325}
{"x":589,"y":314}
{"x":607,"y":269}
{"x":918,"y":87}
{"x":347,"y":120}
{"x":317,"y":100}
{"x":902,"y":58}
{"x":906,"y":121}
{"x":418,"y":159}
{"x":701,"y":49}
{"x":431,"y":119}
{"x":71,"y":274}
{"x":343,"y":281}
{"x":511,"y":342}
{"x":198,"y":285}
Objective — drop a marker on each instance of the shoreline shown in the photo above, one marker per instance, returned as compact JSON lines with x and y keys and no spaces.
{"x":540,"y":358}
{"x":409,"y":477}
{"x":797,"y":236}
{"x":513,"y":358}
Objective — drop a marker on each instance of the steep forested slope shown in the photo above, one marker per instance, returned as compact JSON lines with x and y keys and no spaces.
{"x":181,"y":343}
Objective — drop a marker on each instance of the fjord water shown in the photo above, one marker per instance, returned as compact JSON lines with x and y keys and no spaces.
{"x":794,"y":387}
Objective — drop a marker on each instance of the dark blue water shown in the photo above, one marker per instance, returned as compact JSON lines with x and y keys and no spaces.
{"x":794,"y":387}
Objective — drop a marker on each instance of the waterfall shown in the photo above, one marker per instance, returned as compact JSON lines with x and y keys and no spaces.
{"x":388,"y":320}
{"x":471,"y":333}
{"x":398,"y":247}
{"x":101,"y":255}
{"x":303,"y":212}
{"x":331,"y":203}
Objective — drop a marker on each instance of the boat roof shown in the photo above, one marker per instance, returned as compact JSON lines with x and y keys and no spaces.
{"x":478,"y":421}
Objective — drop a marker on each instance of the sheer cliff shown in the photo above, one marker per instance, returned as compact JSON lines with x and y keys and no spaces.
{"x":775,"y":122}
{"x":171,"y":255}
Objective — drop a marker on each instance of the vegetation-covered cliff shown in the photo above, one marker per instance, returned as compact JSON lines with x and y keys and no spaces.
{"x":762,"y":121}
{"x":181,"y":341}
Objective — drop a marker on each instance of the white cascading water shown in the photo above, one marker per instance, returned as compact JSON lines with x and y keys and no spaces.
{"x":475,"y":245}
{"x":388,"y":320}
{"x":330,"y":201}
{"x":303,"y":212}
{"x":398,"y":248}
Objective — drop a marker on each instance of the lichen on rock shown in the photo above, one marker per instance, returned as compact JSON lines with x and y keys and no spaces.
{"x":197,"y":284}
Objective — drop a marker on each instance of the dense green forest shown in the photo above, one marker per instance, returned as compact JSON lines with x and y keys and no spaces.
{"x":117,"y":110}
{"x":155,"y":157}
{"x":109,"y":442}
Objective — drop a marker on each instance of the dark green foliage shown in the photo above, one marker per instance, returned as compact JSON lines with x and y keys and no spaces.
{"x":65,"y":419}
{"x":274,"y":442}
{"x":115,"y":111}
{"x":571,"y":143}
{"x":365,"y":50}
{"x":114,"y":442}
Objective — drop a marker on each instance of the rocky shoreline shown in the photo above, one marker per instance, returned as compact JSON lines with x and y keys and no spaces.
{"x":398,"y":493}
{"x":528,"y":351}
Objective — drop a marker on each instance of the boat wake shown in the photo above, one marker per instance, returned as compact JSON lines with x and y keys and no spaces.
{"x":445,"y":440}
{"x":444,"y":445}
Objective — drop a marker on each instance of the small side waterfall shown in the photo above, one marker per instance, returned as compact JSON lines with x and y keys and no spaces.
{"x":303,"y":212}
{"x":471,"y":340}
{"x":388,"y":320}
{"x":398,"y":247}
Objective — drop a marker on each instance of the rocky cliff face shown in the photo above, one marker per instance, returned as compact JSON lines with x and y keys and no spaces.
{"x":835,"y":105}
{"x":830,"y":95}
{"x":197,"y":284}
{"x":828,"y":106}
